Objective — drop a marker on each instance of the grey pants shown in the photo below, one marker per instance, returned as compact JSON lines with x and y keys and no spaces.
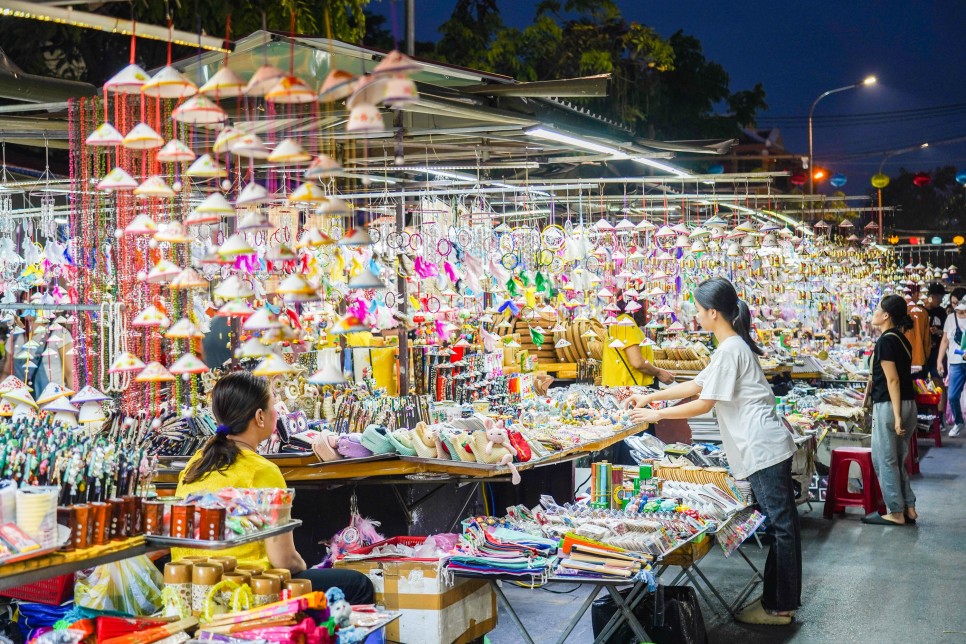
{"x":889,"y":452}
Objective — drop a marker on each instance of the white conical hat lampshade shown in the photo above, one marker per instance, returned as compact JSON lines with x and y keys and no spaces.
{"x":205,"y":167}
{"x":290,"y":89}
{"x":175,"y":151}
{"x":88,"y":394}
{"x":91,"y":412}
{"x":141,"y":225}
{"x":129,"y":80}
{"x":225,"y":139}
{"x":52,"y":392}
{"x":163,"y":272}
{"x":189,"y":279}
{"x":253,"y":348}
{"x":224,"y":84}
{"x":154,"y":186}
{"x":117,"y":179}
{"x":169,"y":83}
{"x":105,"y":135}
{"x":249,"y":146}
{"x":289,"y":151}
{"x":154,"y":372}
{"x":184,"y":329}
{"x":252,"y":194}
{"x":261,"y":320}
{"x":126,"y":362}
{"x":190,"y":364}
{"x":264,"y":79}
{"x":322,"y":166}
{"x":199,"y":110}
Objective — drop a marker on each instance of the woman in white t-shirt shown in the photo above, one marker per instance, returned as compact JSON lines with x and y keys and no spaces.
{"x":952,"y":346}
{"x":758,"y":446}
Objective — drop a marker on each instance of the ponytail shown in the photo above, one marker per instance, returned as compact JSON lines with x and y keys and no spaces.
{"x":234,"y":401}
{"x":719,"y":294}
{"x":898,"y":311}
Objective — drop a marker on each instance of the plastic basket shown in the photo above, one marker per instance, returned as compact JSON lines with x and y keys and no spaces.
{"x":928,"y":399}
{"x":412,"y":542}
{"x":53,"y":592}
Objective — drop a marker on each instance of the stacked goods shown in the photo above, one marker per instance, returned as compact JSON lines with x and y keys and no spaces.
{"x":681,"y":355}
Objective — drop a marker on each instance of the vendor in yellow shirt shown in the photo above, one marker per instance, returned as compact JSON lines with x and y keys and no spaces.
{"x":244,"y":407}
{"x":631,"y":364}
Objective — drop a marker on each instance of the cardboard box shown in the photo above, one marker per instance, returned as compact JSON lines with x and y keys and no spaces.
{"x":432,"y":611}
{"x":840,"y":439}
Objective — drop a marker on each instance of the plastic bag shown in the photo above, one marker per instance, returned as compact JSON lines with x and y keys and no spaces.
{"x":131,"y":586}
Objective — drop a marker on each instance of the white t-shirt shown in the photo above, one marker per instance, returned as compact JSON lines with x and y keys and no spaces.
{"x":752,"y":434}
{"x":950,"y":330}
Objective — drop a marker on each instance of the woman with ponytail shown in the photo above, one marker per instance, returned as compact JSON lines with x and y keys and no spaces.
{"x":244,"y":407}
{"x":893,"y":398}
{"x":758,"y":445}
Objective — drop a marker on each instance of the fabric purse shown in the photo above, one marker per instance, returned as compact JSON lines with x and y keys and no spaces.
{"x":524,"y":453}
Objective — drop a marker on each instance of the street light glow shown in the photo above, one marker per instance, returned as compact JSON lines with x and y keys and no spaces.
{"x":871,"y":80}
{"x":924,"y":145}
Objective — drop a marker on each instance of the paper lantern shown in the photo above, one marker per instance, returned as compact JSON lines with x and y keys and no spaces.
{"x":880,"y":180}
{"x":921,"y":179}
{"x":798,"y":179}
{"x":234,"y":246}
{"x":224,"y":84}
{"x":838,"y":180}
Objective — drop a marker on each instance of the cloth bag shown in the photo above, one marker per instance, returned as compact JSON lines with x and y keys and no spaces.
{"x":130,"y":586}
{"x":670,"y":615}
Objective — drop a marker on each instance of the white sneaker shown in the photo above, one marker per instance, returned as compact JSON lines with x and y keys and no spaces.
{"x":956,"y":430}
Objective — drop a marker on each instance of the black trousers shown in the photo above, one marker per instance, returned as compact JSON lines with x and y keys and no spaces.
{"x":356,"y":586}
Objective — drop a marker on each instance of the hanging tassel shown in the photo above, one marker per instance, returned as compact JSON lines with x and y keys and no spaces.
{"x":536,"y":337}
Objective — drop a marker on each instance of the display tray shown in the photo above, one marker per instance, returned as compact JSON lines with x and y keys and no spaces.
{"x":344,"y":461}
{"x":63,"y":536}
{"x":198,"y":544}
{"x":375,"y":628}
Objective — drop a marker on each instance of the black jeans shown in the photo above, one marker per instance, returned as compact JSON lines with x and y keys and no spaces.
{"x":355,"y":585}
{"x":782,"y":587}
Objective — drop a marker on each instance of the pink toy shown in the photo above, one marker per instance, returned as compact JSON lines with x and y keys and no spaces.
{"x":496,"y":434}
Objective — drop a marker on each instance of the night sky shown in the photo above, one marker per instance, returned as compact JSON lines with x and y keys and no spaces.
{"x":798,"y":50}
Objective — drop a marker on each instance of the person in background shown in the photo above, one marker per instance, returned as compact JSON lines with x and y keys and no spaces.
{"x":937,"y":321}
{"x":758,"y":446}
{"x":244,"y":406}
{"x":893,"y":398}
{"x":951,"y":347}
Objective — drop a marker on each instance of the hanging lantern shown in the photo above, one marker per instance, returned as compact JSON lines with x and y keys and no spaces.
{"x":961,"y":178}
{"x":922,"y":179}
{"x":798,"y":179}
{"x":880,"y":180}
{"x":838,"y":180}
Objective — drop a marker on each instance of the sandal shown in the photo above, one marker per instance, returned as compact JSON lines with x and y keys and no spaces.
{"x":878,"y":519}
{"x":910,"y":520}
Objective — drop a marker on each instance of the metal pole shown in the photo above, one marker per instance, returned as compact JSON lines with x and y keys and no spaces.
{"x":811,"y":158}
{"x":410,"y":27}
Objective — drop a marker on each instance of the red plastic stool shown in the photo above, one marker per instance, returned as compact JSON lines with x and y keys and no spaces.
{"x":912,"y":458}
{"x":838,"y":496}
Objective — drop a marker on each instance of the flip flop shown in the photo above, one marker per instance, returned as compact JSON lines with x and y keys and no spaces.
{"x":876,"y":519}
{"x":910,"y":520}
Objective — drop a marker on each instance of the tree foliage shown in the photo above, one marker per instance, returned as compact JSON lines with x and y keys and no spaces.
{"x":941,"y":205}
{"x":664,"y":88}
{"x":50,"y":49}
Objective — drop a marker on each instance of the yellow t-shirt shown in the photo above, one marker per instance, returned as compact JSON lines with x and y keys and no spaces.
{"x":615,"y":368}
{"x":248,"y":471}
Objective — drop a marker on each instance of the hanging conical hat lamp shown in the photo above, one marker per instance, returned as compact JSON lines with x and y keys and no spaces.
{"x":10,"y":383}
{"x":224,"y":84}
{"x":264,"y":79}
{"x":232,"y":288}
{"x":117,"y":179}
{"x":21,"y":395}
{"x":129,"y":80}
{"x":63,"y":411}
{"x":126,"y":362}
{"x":188,"y":364}
{"x":172,"y":232}
{"x":184,"y":329}
{"x":400,"y":91}
{"x":249,"y":146}
{"x":330,"y":373}
{"x":313,"y":238}
{"x":308,"y":192}
{"x":370,"y":90}
{"x":348,"y":324}
{"x":154,"y":186}
{"x":252,"y":194}
{"x":322,"y":166}
{"x":289,"y":151}
{"x":141,"y":225}
{"x":367,"y":280}
{"x":174,"y":151}
{"x":356,"y":237}
{"x":291,"y":90}
{"x":234,"y":246}
{"x":52,"y":392}
{"x":253,"y":348}
{"x":261,"y":320}
{"x":272,"y":365}
{"x":235,"y":309}
{"x":395,"y":62}
{"x":280,"y":253}
{"x":199,"y":110}
{"x":225,"y":139}
{"x":205,"y":167}
{"x":90,"y":413}
{"x":334,"y":207}
{"x":645,"y":225}
{"x":338,"y":84}
{"x":365,"y":119}
{"x":6,"y":408}
{"x":169,"y":83}
{"x":151,"y":316}
{"x":162,"y":272}
{"x":154,"y":372}
{"x":88,"y":394}
{"x":295,"y":284}
{"x":215,"y":204}
{"x":104,"y":136}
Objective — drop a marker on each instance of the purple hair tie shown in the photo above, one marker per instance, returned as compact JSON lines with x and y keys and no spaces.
{"x":222,"y":430}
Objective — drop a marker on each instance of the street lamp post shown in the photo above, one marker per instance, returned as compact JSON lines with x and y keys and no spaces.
{"x":811,"y":159}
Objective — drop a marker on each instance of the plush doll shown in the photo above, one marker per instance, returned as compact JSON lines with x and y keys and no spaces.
{"x":339,"y":608}
{"x":496,"y":435}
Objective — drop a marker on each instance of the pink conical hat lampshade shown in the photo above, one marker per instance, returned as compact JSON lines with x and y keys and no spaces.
{"x":126,"y":363}
{"x":338,"y":84}
{"x":290,"y":89}
{"x":188,"y":364}
{"x":265,"y":78}
{"x":154,"y":372}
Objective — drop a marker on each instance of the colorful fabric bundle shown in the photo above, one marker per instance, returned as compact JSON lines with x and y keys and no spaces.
{"x":482,"y":553}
